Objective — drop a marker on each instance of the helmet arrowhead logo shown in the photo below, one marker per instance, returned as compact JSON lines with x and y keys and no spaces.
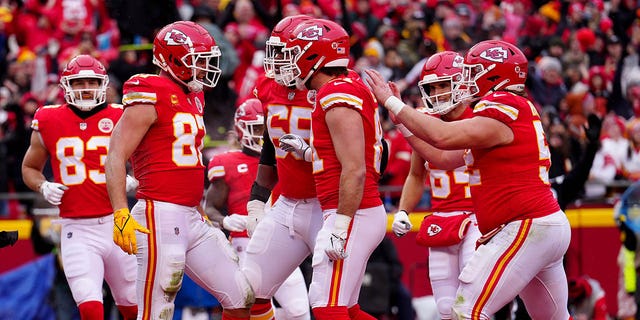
{"x":312,"y":33}
{"x":495,"y":54}
{"x":177,"y":38}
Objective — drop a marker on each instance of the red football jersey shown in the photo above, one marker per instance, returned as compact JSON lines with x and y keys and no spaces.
{"x":168,"y":160}
{"x":238,"y":170}
{"x":348,"y":93}
{"x":450,"y":190}
{"x":77,"y":149}
{"x":511,"y":182}
{"x":288,"y":111}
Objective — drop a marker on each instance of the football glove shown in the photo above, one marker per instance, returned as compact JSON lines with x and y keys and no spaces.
{"x":124,"y":230}
{"x":295,"y":144}
{"x":255,"y":210}
{"x":132,"y":183}
{"x":235,"y":222}
{"x":53,"y":192}
{"x":401,"y":224}
{"x":336,"y":247}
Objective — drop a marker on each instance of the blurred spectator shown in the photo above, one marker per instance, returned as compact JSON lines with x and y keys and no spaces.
{"x":397,"y":168}
{"x":247,"y":34}
{"x":546,"y":83}
{"x":607,"y":165}
{"x":248,"y":83}
{"x":600,"y":89}
{"x":570,"y":185}
{"x":221,"y":100}
{"x":128,"y":63}
{"x":205,"y":16}
{"x":361,"y":12}
{"x":455,"y":37}
{"x":139,"y":20}
{"x":373,"y":58}
{"x":631,"y":163}
{"x":587,"y":299}
{"x":575,"y":79}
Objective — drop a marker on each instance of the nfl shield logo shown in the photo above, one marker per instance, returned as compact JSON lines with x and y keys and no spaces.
{"x":83,"y":126}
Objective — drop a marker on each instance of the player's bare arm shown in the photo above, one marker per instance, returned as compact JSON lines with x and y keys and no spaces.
{"x":345,"y":126}
{"x":34,"y":161}
{"x":216,"y":198}
{"x":445,"y":159}
{"x":477,"y":132}
{"x":126,"y":136}
{"x":414,"y":184}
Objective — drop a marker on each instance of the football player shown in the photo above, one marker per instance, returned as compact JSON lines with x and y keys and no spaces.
{"x":524,"y":233}
{"x":232,"y":174}
{"x":346,"y":158}
{"x":161,"y":131}
{"x":75,"y":137}
{"x":285,"y":236}
{"x":450,"y":232}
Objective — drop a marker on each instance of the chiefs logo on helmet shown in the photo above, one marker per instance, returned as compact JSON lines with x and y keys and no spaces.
{"x":433,"y":229}
{"x":495,"y":54}
{"x":176,"y":38}
{"x":312,"y":33}
{"x":457,"y":61}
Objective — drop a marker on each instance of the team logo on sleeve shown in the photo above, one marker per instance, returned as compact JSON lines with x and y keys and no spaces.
{"x":495,"y":54}
{"x":105,"y":125}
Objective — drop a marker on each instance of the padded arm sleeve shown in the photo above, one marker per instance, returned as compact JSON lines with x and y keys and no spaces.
{"x":268,"y":155}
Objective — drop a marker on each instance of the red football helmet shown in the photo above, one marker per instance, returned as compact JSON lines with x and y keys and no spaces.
{"x":490,"y":66}
{"x":441,"y":69}
{"x":185,"y":50}
{"x":84,"y":67}
{"x":249,"y":124}
{"x":314,"y":44}
{"x":275,"y":57}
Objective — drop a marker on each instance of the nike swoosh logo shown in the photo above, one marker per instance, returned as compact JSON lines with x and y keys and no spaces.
{"x":499,"y":94}
{"x":135,"y":83}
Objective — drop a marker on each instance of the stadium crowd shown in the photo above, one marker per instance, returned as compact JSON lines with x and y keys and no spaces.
{"x":583,"y":59}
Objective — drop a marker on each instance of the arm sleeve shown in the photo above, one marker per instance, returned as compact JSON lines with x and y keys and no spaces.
{"x":268,"y":155}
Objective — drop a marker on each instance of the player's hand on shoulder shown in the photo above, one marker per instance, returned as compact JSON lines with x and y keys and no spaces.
{"x":53,"y":192}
